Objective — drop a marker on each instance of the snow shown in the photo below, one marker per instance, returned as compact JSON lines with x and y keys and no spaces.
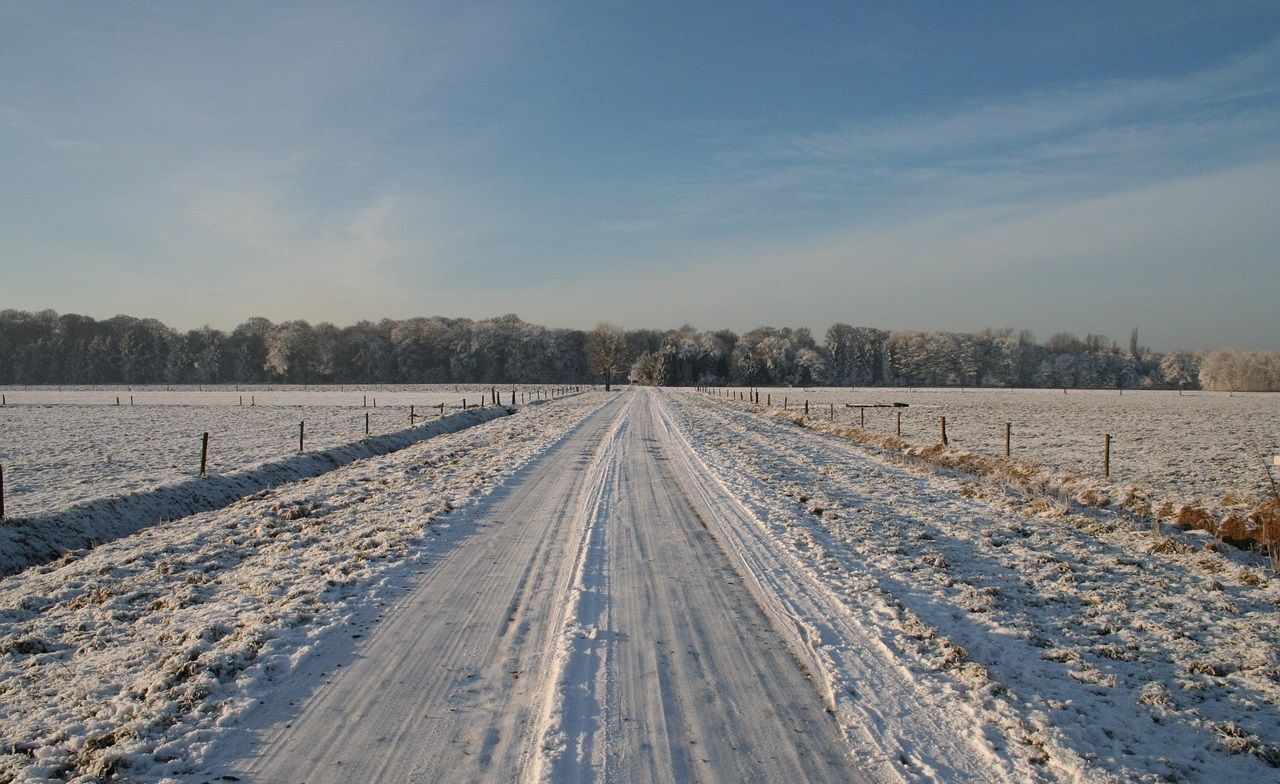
{"x":67,"y":445}
{"x":658,"y":585}
{"x":590,"y":629}
{"x":1083,"y":650}
{"x":137,"y":655}
{"x":29,"y":540}
{"x":1206,"y":449}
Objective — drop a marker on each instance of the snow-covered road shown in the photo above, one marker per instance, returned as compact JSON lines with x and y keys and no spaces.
{"x":651,"y":585}
{"x":592,"y":629}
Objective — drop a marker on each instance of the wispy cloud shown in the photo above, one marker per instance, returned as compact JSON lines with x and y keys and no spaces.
{"x":322,"y":257}
{"x":1030,"y":118}
{"x":1084,"y":139}
{"x":1149,"y":255}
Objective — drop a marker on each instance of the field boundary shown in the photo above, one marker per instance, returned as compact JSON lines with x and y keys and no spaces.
{"x":1250,"y":532}
{"x":32,"y":540}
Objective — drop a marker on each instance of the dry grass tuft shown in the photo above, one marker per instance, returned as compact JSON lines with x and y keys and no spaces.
{"x":1051,"y":492}
{"x":1193,"y":518}
{"x":1168,"y":546}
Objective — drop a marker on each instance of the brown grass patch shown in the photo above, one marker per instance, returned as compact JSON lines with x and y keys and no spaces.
{"x":1259,"y":528}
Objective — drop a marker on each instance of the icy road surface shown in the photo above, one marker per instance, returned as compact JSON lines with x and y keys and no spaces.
{"x":592,"y":629}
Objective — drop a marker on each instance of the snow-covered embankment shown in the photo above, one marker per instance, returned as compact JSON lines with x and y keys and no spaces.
{"x":35,"y":539}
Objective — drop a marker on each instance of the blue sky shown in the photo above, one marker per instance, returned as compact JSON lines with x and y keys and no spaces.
{"x":1067,"y":166}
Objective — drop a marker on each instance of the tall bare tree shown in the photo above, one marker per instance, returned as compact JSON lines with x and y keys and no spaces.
{"x":606,"y":351}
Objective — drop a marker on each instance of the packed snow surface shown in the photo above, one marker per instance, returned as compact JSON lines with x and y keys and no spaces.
{"x":650,"y":585}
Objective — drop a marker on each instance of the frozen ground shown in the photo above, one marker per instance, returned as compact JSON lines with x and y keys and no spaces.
{"x":1196,"y":448}
{"x":131,"y":659}
{"x":662,"y":588}
{"x":1076,"y":645}
{"x":62,"y":446}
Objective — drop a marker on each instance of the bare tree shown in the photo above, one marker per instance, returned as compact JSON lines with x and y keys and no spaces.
{"x":606,"y":351}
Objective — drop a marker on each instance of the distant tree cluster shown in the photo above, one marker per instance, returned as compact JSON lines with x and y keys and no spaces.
{"x":46,"y":348}
{"x":1238,"y":371}
{"x":864,"y":356}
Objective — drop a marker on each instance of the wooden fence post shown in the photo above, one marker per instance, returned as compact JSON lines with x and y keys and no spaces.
{"x":302,"y":434}
{"x":1106,"y":455}
{"x":862,"y":416}
{"x":204,"y":454}
{"x":1008,"y":439}
{"x":806,"y":408}
{"x":944,"y":430}
{"x":366,"y":423}
{"x":412,"y":417}
{"x":1,"y":491}
{"x":833,"y":411}
{"x":899,"y":430}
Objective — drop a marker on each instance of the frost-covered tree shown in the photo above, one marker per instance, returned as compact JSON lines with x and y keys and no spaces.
{"x":364,"y":353}
{"x":291,"y":353}
{"x":1229,"y":370}
{"x":644,"y":369}
{"x":47,"y":348}
{"x":606,"y":352}
{"x":247,"y":345}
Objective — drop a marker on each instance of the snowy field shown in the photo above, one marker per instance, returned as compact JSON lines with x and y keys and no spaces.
{"x":645,"y":585}
{"x":63,"y":446}
{"x":1070,"y":642}
{"x":1193,"y":448}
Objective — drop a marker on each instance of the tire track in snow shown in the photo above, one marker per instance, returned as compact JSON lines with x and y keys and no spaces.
{"x":896,"y":725}
{"x":571,"y":703}
{"x":668,"y":669}
{"x":450,"y":685}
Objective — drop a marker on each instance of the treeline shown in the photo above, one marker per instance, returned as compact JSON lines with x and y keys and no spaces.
{"x":863,"y":356}
{"x":47,"y":348}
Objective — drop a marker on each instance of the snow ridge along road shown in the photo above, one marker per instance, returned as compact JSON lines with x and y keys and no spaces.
{"x":591,"y":629}
{"x":35,"y":539}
